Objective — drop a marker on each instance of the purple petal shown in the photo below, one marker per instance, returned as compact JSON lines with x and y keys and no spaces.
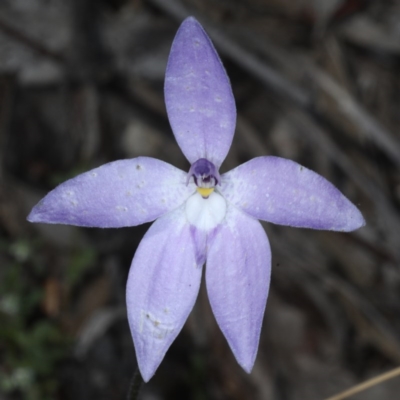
{"x":283,"y":192}
{"x":237,"y":277}
{"x":162,"y":288}
{"x":117,"y":194}
{"x":198,"y":96}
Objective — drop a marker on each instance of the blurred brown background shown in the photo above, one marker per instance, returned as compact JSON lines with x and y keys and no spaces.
{"x":81,"y":84}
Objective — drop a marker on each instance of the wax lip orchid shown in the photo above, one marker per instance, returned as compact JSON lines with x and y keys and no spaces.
{"x":200,"y":216}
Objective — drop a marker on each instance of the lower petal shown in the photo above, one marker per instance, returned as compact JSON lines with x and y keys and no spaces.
{"x":237,"y":277}
{"x":162,"y":287}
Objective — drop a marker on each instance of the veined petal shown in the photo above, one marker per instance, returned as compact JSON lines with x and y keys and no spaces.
{"x":283,"y":192}
{"x":117,"y":194}
{"x":198,"y":95}
{"x":162,"y":287}
{"x":237,"y":277}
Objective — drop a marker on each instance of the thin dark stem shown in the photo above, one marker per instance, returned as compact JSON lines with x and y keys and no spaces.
{"x":135,"y":386}
{"x":21,"y":37}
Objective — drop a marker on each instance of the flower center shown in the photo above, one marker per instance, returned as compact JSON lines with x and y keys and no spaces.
{"x":205,"y":176}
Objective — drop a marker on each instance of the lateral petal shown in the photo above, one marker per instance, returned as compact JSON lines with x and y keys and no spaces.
{"x":198,"y":96}
{"x":162,"y":287}
{"x":283,"y":192}
{"x":237,"y":278}
{"x":117,"y":194}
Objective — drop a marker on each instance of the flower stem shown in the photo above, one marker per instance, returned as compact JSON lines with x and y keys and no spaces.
{"x":135,"y":386}
{"x":366,"y":385}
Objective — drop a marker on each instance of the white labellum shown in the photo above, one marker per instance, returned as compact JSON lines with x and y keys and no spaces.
{"x":205,"y":214}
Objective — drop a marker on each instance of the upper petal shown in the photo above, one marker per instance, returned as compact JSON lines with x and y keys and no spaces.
{"x":117,"y":194}
{"x":198,"y":95}
{"x":162,"y":287}
{"x":237,"y":277}
{"x":283,"y":192}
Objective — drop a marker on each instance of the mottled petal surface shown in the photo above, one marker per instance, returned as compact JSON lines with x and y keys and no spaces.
{"x":237,"y":278}
{"x":283,"y":192}
{"x":117,"y":194}
{"x":162,"y":287}
{"x":198,"y":96}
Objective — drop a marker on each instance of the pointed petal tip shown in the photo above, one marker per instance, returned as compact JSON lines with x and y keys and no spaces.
{"x":357,"y":221}
{"x":248,"y":367}
{"x":31,"y":217}
{"x":190,"y":20}
{"x":350,"y":219}
{"x":147,"y":371}
{"x":190,"y":25}
{"x":35,"y":215}
{"x":246,"y":359}
{"x":42,"y":213}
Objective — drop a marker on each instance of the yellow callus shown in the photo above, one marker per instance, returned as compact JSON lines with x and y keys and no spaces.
{"x":205,"y":192}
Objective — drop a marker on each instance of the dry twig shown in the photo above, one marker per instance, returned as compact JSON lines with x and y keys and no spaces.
{"x":366,"y":385}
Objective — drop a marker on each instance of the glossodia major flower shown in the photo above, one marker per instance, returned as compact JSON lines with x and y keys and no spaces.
{"x":201,"y":216}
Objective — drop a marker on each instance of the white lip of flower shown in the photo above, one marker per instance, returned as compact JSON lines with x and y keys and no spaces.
{"x":206,"y":208}
{"x":205,"y":213}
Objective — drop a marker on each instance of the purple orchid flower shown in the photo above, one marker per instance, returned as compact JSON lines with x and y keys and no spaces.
{"x":200,"y":216}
